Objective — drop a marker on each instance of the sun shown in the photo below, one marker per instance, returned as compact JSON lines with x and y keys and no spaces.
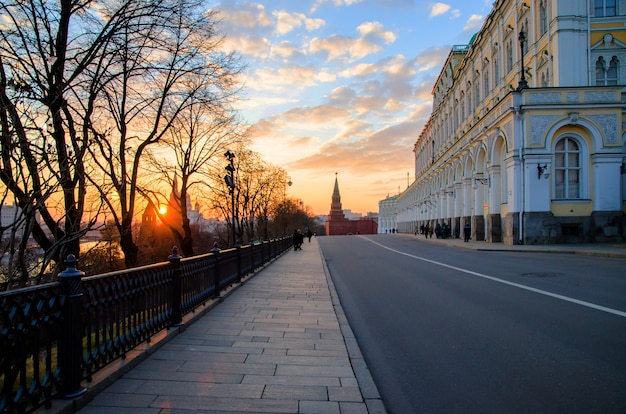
{"x":162,"y":210}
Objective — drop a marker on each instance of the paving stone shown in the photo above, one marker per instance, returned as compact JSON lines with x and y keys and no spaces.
{"x":319,"y":407}
{"x":114,"y":400}
{"x":236,"y":405}
{"x":352,"y":408}
{"x":291,"y":380}
{"x":293,"y":392}
{"x":350,"y":394}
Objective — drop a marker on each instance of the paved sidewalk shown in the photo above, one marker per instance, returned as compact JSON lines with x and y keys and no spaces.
{"x":617,"y":249}
{"x":279,"y":343}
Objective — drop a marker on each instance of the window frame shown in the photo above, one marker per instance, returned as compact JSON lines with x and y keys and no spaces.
{"x":543,"y":18}
{"x":607,"y":73}
{"x":600,"y":8}
{"x":582,"y":168}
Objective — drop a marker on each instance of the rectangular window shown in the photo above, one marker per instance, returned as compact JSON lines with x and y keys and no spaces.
{"x":605,"y":8}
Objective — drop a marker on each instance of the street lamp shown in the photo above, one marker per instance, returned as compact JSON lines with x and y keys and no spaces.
{"x":522,"y":77}
{"x":229,"y":179}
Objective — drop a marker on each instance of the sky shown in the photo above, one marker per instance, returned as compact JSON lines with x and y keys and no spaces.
{"x":342,"y":88}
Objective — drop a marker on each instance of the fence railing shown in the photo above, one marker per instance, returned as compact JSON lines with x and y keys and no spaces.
{"x":54,"y":337}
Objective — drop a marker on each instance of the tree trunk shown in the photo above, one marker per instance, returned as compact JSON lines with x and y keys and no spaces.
{"x":127,"y":244}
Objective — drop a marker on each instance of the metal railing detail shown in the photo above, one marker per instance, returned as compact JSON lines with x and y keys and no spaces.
{"x":54,"y":337}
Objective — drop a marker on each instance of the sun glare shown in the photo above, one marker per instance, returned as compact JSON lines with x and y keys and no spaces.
{"x":163,"y":210}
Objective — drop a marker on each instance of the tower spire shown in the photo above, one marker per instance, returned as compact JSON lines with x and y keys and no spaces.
{"x":336,"y":211}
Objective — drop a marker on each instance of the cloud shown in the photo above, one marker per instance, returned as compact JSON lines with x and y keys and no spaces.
{"x":290,"y":78}
{"x":337,"y":3}
{"x":437,"y":9}
{"x":474,"y":22}
{"x":287,"y":22}
{"x":286,"y":51}
{"x":374,"y":31}
{"x":246,"y":16}
{"x":257,"y":47}
{"x":372,"y":36}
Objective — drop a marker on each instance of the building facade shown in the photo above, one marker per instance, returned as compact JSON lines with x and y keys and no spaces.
{"x":387,"y":215}
{"x":337,"y":223}
{"x":526,"y":138}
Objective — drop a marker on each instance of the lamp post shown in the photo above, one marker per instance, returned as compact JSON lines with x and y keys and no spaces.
{"x":522,"y":77}
{"x":230,"y":182}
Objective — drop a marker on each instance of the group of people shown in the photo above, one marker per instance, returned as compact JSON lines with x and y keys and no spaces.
{"x":443,"y":231}
{"x":298,"y":238}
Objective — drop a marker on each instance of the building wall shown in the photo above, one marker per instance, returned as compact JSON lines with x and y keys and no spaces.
{"x":345,"y":227}
{"x":387,"y":215}
{"x":542,"y":164}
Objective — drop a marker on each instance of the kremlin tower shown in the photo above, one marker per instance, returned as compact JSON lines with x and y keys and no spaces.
{"x":338,"y":224}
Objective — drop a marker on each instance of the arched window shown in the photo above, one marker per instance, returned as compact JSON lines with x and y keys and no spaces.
{"x":611,"y":73}
{"x":509,"y":56}
{"x":600,"y":71}
{"x":477,"y":91}
{"x":486,"y":80}
{"x":607,"y":76}
{"x":462,"y":107}
{"x":543,"y":18}
{"x":496,"y":69}
{"x":567,"y":169}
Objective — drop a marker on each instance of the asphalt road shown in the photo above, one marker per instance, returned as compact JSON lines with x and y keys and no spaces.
{"x":447,"y":330}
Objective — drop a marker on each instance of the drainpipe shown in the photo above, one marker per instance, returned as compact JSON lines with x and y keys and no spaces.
{"x":518,"y":113}
{"x":588,"y":45}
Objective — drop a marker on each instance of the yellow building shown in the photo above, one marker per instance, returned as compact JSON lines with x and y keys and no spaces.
{"x":526,"y":138}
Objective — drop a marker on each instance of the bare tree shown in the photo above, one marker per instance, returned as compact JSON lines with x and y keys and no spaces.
{"x":47,"y":52}
{"x":85,"y":88}
{"x":164,"y":71}
{"x":258,"y":186}
{"x":199,"y":136}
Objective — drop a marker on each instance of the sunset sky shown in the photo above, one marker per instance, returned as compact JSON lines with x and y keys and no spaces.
{"x":343,"y":86}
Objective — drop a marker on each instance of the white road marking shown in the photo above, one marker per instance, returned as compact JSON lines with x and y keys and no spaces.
{"x":517,"y":285}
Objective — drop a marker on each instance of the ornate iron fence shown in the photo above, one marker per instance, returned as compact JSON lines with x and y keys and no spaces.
{"x":55,"y":336}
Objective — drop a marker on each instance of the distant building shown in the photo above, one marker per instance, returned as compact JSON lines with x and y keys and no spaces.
{"x":387,"y":215}
{"x":12,"y":219}
{"x":338,"y":224}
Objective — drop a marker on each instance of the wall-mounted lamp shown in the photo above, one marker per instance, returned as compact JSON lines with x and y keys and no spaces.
{"x":543,"y":171}
{"x":479,"y":178}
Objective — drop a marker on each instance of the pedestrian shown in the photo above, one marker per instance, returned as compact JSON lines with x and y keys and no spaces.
{"x":467,"y":232}
{"x":298,"y":239}
{"x":309,"y":234}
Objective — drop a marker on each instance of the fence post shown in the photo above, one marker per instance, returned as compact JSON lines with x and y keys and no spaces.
{"x":216,"y":288}
{"x":70,"y":351}
{"x":238,"y":247}
{"x":253,"y":263}
{"x":176,"y":299}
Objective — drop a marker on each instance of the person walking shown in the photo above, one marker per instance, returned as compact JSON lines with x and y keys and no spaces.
{"x":298,"y":239}
{"x":467,"y":232}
